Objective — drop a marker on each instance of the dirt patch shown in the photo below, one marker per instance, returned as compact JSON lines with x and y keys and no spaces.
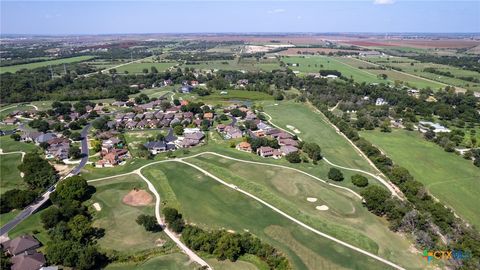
{"x":160,"y":242}
{"x":137,"y":197}
{"x":62,"y":169}
{"x":322,"y":207}
{"x":97,"y":206}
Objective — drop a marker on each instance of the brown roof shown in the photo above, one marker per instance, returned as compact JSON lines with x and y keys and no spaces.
{"x":30,"y":260}
{"x":20,"y":244}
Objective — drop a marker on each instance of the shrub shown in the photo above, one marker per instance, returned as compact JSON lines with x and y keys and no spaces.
{"x":335,"y":174}
{"x":359,"y":180}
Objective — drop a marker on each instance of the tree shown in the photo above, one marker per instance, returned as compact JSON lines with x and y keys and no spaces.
{"x":335,"y":174}
{"x":73,"y":188}
{"x":176,"y":102}
{"x":15,"y":137}
{"x":170,"y":214}
{"x":385,"y":126}
{"x":145,"y":70}
{"x":359,"y":180}
{"x":80,"y":227}
{"x":100,"y":124}
{"x":16,"y":199}
{"x":149,"y":223}
{"x":50,"y":217}
{"x":293,"y":157}
{"x":153,"y":70}
{"x":38,"y":173}
{"x":76,"y":136}
{"x":313,"y":150}
{"x":375,"y":198}
{"x":178,"y":130}
{"x":5,"y":262}
{"x":74,"y":153}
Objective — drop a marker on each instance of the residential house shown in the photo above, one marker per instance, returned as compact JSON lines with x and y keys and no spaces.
{"x":156,"y":147}
{"x":10,"y":121}
{"x":289,"y":142}
{"x":380,"y":102}
{"x":220,"y":127}
{"x":20,"y":244}
{"x":265,"y":151}
{"x":114,"y":157}
{"x":108,"y":145}
{"x":58,"y":150}
{"x":45,"y":138}
{"x":424,"y":126}
{"x":142,"y":124}
{"x":30,"y":136}
{"x":191,"y":139}
{"x":232,"y":132}
{"x":287,"y":149}
{"x":244,"y":146}
{"x":28,"y":260}
{"x":186,"y":89}
{"x":131,"y":125}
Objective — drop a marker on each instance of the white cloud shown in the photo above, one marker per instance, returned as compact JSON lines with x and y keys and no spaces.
{"x":277,"y":10}
{"x":383,"y":2}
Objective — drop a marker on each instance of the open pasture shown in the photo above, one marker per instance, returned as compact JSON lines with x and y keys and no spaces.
{"x":450,"y":178}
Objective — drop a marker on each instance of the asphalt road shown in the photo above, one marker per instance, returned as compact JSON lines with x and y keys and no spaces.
{"x":37,"y":204}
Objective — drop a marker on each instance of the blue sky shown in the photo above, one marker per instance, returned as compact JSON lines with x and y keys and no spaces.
{"x":109,"y":17}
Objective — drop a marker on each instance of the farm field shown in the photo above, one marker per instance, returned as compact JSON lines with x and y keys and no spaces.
{"x":450,"y":178}
{"x":135,"y":68}
{"x":209,"y":204}
{"x":9,"y":174}
{"x":313,"y":127}
{"x":313,"y":64}
{"x":16,"y":68}
{"x":418,"y":70}
{"x":393,"y":75}
{"x":122,"y":233}
{"x":243,"y":64}
{"x":345,"y":219}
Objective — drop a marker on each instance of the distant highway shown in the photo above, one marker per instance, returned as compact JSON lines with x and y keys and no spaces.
{"x":37,"y":204}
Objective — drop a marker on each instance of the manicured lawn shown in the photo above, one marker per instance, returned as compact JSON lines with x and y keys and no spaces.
{"x":175,"y":261}
{"x":450,"y":178}
{"x":313,"y":64}
{"x":122,"y":233}
{"x":288,"y":190}
{"x":15,"y":68}
{"x":32,"y":225}
{"x":314,"y":128}
{"x":212,"y":205}
{"x":233,"y":95}
{"x":7,"y":144}
{"x":9,"y":174}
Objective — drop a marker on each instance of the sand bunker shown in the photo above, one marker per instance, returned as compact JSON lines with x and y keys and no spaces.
{"x":292,"y":128}
{"x":137,"y":197}
{"x":97,"y":206}
{"x":311,"y":199}
{"x":322,"y":208}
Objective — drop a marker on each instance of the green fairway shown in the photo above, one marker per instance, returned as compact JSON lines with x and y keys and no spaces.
{"x":209,"y":204}
{"x":450,"y":178}
{"x":122,"y":233}
{"x":314,"y":128}
{"x":9,"y":174}
{"x":175,"y":261}
{"x":313,"y":64}
{"x":288,"y":190}
{"x":16,"y":68}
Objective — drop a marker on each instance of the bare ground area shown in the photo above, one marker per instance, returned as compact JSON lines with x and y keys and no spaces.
{"x":138,"y":197}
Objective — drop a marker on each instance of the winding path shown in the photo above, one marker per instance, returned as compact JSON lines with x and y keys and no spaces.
{"x":199,"y":260}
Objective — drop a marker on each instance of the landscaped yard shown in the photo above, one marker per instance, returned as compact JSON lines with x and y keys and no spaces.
{"x":450,"y":178}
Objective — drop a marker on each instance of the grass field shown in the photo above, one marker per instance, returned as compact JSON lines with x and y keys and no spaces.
{"x":418,"y":69}
{"x":392,"y":74}
{"x":135,"y":138}
{"x":135,"y":68}
{"x":210,"y":205}
{"x":122,"y":233}
{"x":313,"y":127}
{"x":16,"y":68}
{"x":233,"y":95}
{"x":9,"y":174}
{"x":7,"y":144}
{"x":288,"y":190}
{"x":313,"y":64}
{"x":19,"y":107}
{"x":175,"y":261}
{"x":246,"y":64}
{"x":450,"y":178}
